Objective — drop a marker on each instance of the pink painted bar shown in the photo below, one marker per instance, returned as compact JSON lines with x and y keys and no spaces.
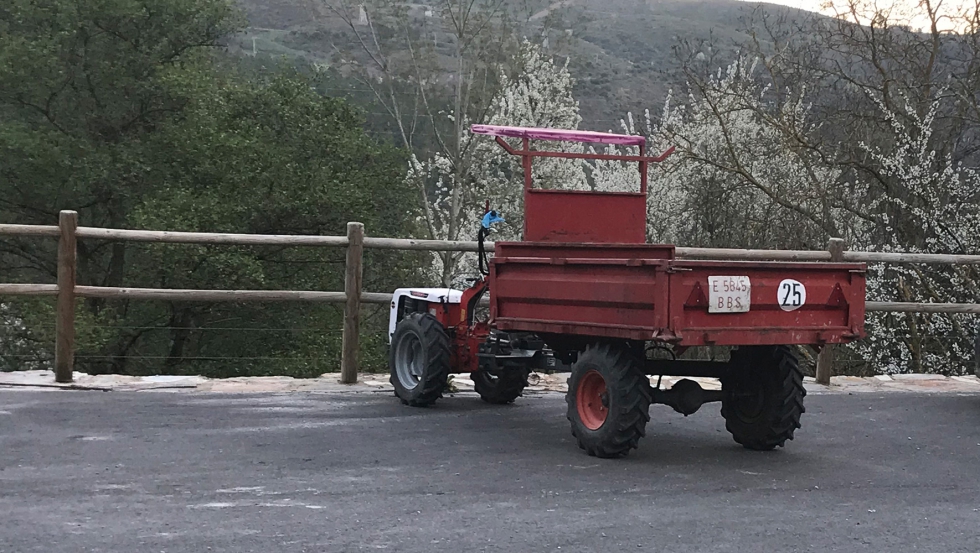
{"x":559,"y":134}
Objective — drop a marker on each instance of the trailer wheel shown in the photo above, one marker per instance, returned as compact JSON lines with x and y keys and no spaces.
{"x":500,"y":388}
{"x":763,"y":396}
{"x":608,"y":401}
{"x":419,"y":359}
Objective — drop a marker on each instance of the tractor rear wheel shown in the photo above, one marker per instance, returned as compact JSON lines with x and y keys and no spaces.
{"x":501,"y":388}
{"x":763,"y":396}
{"x":419,"y":359}
{"x":608,"y":401}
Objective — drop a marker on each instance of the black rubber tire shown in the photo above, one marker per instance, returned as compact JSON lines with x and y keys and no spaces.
{"x":434,"y":360}
{"x":629,"y":397}
{"x":763,"y":398}
{"x":500,"y":389}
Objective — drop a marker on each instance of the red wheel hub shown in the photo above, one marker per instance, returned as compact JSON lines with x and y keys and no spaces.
{"x":592,"y":400}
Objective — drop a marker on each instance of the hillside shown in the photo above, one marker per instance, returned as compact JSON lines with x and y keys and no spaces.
{"x":621,"y":51}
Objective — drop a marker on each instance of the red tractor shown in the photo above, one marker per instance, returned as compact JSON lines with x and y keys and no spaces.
{"x":584,"y":287}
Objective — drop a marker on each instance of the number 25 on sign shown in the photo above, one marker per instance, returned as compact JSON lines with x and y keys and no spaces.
{"x":729,"y":294}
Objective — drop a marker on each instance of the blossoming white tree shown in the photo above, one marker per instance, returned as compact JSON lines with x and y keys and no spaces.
{"x":430,"y":94}
{"x":740,"y":175}
{"x":941,"y":199}
{"x":749,"y":173}
{"x":536,"y":93}
{"x":783,"y":148}
{"x":18,"y":348}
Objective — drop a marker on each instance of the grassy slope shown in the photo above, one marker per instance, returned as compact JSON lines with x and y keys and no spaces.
{"x":621,"y":50}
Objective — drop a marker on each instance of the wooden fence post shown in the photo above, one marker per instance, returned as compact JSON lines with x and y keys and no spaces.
{"x":825,"y":359}
{"x":352,"y":309}
{"x":64,"y":350}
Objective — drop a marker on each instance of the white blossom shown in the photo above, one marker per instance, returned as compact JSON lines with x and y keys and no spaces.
{"x":18,"y":349}
{"x":940,"y":201}
{"x":743,"y":177}
{"x":737,"y":161}
{"x":539,"y":95}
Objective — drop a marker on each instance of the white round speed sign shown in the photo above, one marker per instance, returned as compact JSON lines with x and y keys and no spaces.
{"x":791,"y":295}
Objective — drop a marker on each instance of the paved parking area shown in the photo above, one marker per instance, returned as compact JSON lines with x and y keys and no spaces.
{"x":327,"y":472}
{"x":373,"y":382}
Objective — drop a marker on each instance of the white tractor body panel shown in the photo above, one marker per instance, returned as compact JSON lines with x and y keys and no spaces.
{"x":431,"y":295}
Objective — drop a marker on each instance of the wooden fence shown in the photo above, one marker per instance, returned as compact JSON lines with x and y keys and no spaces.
{"x":68,"y":232}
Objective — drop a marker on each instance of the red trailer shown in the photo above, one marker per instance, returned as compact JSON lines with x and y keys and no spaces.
{"x":584,"y":287}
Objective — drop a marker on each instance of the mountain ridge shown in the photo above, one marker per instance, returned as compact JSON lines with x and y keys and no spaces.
{"x":621,"y":52}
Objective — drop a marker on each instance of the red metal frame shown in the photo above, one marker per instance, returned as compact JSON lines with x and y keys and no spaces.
{"x":593,"y":289}
{"x":469,"y":334}
{"x":556,"y":215}
{"x":640,"y":292}
{"x":465,"y":333}
{"x":833,"y":313}
{"x":585,"y":272}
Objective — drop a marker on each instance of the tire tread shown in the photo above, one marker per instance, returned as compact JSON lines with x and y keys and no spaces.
{"x":786,"y":405}
{"x":633,"y":395}
{"x":435,"y":376}
{"x":508,"y":387}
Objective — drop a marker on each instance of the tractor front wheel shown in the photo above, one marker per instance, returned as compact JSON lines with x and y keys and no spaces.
{"x":608,"y":401}
{"x":763,"y":396}
{"x":419,"y":359}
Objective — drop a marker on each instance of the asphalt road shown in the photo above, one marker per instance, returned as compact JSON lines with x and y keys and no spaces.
{"x":185,"y":472}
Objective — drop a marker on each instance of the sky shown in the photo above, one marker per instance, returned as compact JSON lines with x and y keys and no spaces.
{"x":903,"y":11}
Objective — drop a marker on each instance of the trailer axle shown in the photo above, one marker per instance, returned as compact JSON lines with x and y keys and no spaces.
{"x":686,"y":396}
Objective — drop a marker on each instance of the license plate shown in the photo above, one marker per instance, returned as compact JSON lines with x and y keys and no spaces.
{"x":729,"y":294}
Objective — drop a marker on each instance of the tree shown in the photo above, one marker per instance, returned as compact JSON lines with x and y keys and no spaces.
{"x":822,"y":129}
{"x":126,"y":111}
{"x":746,"y":178}
{"x":536,"y":93}
{"x":17,"y":347}
{"x":433,"y":70}
{"x":265,"y":158}
{"x":438,"y":69}
{"x":942,"y":198}
{"x":897,"y":95}
{"x":81,"y":84}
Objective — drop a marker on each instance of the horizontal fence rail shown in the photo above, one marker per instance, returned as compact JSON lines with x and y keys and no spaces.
{"x":428,"y":245}
{"x":29,"y":230}
{"x":353,"y":296}
{"x":729,"y":254}
{"x":904,"y":307}
{"x":207,"y":295}
{"x":726,"y":254}
{"x":28,"y":289}
{"x":208,"y":238}
{"x":925,"y":258}
{"x":175,"y":294}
